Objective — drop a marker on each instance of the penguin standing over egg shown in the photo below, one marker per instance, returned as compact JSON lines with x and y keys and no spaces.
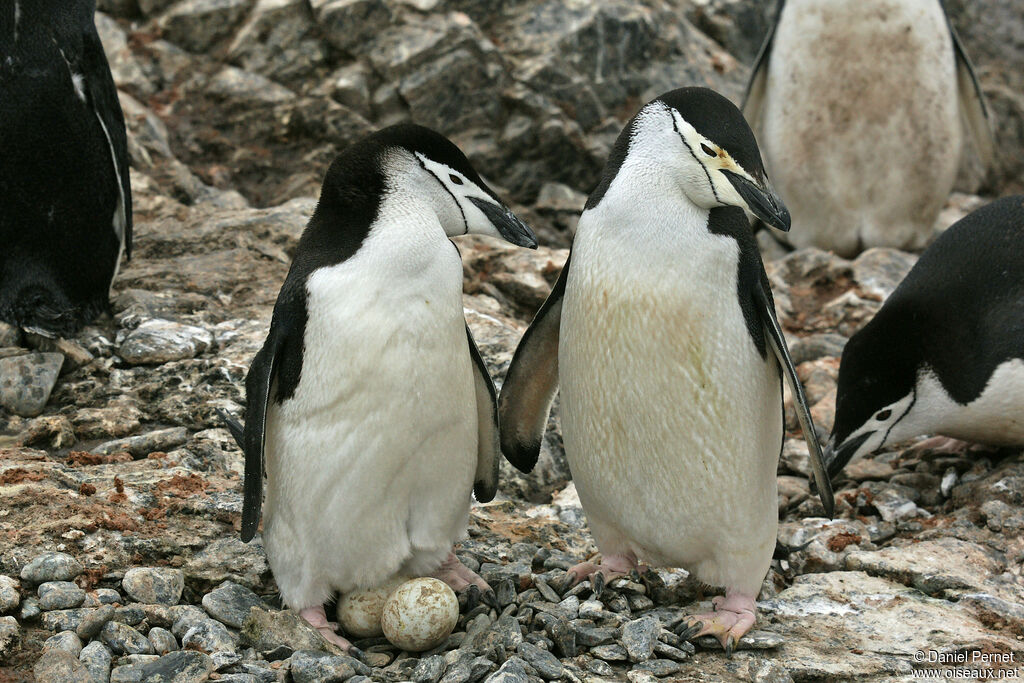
{"x":65,"y":198}
{"x":662,"y":335}
{"x":369,"y":407}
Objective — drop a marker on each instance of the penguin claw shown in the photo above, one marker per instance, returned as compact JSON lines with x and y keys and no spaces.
{"x":597,"y":584}
{"x":472,"y":596}
{"x":490,"y":598}
{"x":355,"y":652}
{"x":730,"y":645}
{"x":688,"y":629}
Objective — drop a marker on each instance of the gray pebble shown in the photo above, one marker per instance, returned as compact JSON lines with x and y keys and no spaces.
{"x":546,"y":591}
{"x":97,"y":658}
{"x":162,"y":640}
{"x":589,"y":636}
{"x":126,"y":674}
{"x":658,"y":667}
{"x":224,"y":659}
{"x":184,"y":666}
{"x":665,"y":650}
{"x":140,"y":659}
{"x":505,"y":592}
{"x":546,"y":664}
{"x":10,"y":598}
{"x":512,"y":671}
{"x":63,"y":619}
{"x":123,"y":639}
{"x":59,"y":666}
{"x":59,"y":595}
{"x":29,"y":609}
{"x":429,"y":670}
{"x":101,"y":596}
{"x":133,"y":615}
{"x":230,"y":603}
{"x":209,"y":636}
{"x":592,"y":609}
{"x":239,"y":678}
{"x":617,"y":603}
{"x":480,"y":667}
{"x":600,"y":667}
{"x":610,"y":653}
{"x":185,"y":617}
{"x":258,"y":669}
{"x":65,"y":640}
{"x":639,"y":636}
{"x":51,"y":567}
{"x":10,"y":636}
{"x":316,"y":667}
{"x":160,"y":585}
{"x":94,"y":621}
{"x":26,"y":382}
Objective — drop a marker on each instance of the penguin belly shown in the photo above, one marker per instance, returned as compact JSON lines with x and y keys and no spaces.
{"x":370,"y":464}
{"x":672,"y":420}
{"x":861,"y":130}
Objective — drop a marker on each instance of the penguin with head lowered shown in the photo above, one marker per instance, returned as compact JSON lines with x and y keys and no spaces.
{"x":945,"y":353}
{"x":65,"y":200}
{"x":662,"y":335}
{"x":860,"y":108}
{"x":369,"y":407}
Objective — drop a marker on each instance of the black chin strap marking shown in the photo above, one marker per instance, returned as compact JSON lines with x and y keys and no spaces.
{"x":695,"y":157}
{"x":897,"y":421}
{"x":450,"y":194}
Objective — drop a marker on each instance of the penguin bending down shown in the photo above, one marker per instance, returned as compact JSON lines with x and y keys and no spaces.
{"x":369,"y":407}
{"x":859,"y":107}
{"x":65,"y":199}
{"x":945,"y":353}
{"x":662,"y":333}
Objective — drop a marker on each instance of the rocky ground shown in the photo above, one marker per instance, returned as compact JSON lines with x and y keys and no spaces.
{"x":121,"y":492}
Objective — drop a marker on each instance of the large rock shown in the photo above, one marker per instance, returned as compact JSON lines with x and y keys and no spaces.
{"x":280,"y":40}
{"x":197,"y":24}
{"x":26,"y":382}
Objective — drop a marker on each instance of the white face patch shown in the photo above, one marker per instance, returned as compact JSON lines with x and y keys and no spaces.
{"x":887,"y":425}
{"x":716,"y":190}
{"x":464,"y":217}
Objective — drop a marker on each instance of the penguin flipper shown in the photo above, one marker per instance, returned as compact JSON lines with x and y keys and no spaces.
{"x":485,"y":485}
{"x":102,"y":97}
{"x":972,"y":101}
{"x":531,"y":382}
{"x":777,"y":342}
{"x":257,"y":391}
{"x":753,"y":98}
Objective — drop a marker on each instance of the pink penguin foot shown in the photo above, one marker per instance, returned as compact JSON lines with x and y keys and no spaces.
{"x":317,"y":618}
{"x":462,"y":578}
{"x":609,"y":568}
{"x":732,"y":618}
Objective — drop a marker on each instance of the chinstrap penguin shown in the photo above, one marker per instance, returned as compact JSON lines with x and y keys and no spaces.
{"x":945,"y":353}
{"x":662,"y":334}
{"x":369,"y":407}
{"x":65,"y":199}
{"x":859,"y":106}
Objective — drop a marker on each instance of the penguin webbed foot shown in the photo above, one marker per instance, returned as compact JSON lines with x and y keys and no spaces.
{"x":602,"y":573}
{"x":317,"y":618}
{"x":732,"y":617}
{"x":464,"y":581}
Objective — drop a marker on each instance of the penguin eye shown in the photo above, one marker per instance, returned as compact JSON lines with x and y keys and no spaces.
{"x":707,"y":150}
{"x":455,"y":179}
{"x":883,"y":415}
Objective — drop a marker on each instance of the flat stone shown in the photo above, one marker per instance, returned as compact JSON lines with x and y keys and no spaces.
{"x":92,"y":622}
{"x":639,"y":636}
{"x":927,"y":566}
{"x":158,"y":341}
{"x":96,"y":657}
{"x":658,"y":667}
{"x":10,"y":597}
{"x":126,"y":673}
{"x":611,"y":653}
{"x":265,"y":630}
{"x":230,"y":603}
{"x":65,"y":640}
{"x":64,"y":619}
{"x":197,"y":24}
{"x":10,"y":636}
{"x":154,"y":585}
{"x":140,"y":446}
{"x":313,"y":667}
{"x":125,"y":640}
{"x":546,"y":664}
{"x":209,"y":636}
{"x":59,"y":595}
{"x":51,"y":567}
{"x":512,"y":671}
{"x":29,"y":609}
{"x":428,"y":670}
{"x":26,"y":382}
{"x":184,"y":666}
{"x":59,"y":666}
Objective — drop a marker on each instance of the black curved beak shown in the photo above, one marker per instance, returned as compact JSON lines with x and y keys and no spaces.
{"x":507,"y":223}
{"x":762,"y":200}
{"x":836,"y":458}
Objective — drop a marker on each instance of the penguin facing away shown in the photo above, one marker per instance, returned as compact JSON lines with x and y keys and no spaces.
{"x":945,"y":353}
{"x":65,"y":198}
{"x":661,"y":332}
{"x":860,"y":106}
{"x":369,"y":406}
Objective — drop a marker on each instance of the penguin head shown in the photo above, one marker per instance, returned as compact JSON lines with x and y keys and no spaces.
{"x":709,"y":147}
{"x":462,"y":201}
{"x":876,"y":394}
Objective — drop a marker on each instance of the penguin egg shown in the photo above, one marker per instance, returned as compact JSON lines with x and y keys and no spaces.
{"x":420,"y":614}
{"x":359,"y":612}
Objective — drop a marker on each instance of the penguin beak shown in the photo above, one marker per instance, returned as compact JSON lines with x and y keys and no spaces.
{"x":837,"y":458}
{"x":507,"y":223}
{"x":762,"y":201}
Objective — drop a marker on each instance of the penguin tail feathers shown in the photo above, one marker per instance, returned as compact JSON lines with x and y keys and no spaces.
{"x":783,"y":551}
{"x":44,"y":310}
{"x":234,"y":426}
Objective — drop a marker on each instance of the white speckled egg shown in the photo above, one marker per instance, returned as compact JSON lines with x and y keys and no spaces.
{"x":359,"y":611}
{"x":420,"y":614}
